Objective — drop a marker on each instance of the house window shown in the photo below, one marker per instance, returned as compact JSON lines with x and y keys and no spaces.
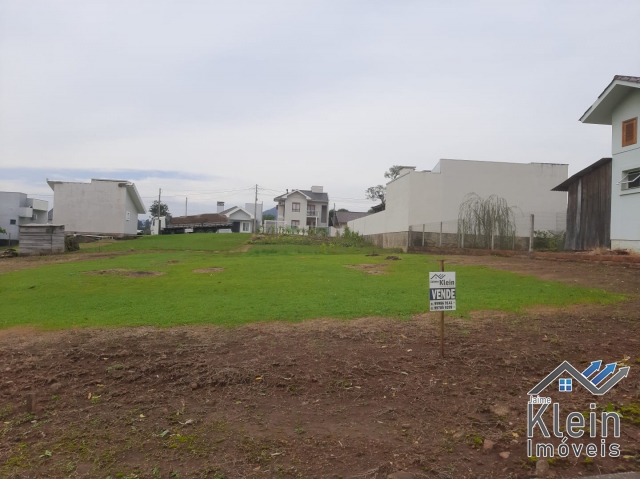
{"x":630,"y":179}
{"x":630,"y":132}
{"x":12,"y":222}
{"x":311,"y":210}
{"x":128,"y":215}
{"x":245,"y":226}
{"x":295,"y":207}
{"x":295,"y":223}
{"x":566,"y":385}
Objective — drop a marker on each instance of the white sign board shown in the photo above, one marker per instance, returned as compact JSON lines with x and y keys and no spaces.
{"x":442,"y":291}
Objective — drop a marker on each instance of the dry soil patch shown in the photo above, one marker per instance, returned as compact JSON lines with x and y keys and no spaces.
{"x":208,"y":270}
{"x":124,"y":272}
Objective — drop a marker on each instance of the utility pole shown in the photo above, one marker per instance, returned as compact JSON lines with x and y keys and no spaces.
{"x":159,"y":195}
{"x":255,"y":212}
{"x":186,"y":199}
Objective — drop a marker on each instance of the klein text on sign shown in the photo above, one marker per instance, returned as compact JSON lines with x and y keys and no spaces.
{"x":442,"y":291}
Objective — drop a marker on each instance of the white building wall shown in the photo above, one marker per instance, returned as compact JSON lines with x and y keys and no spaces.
{"x":98,"y":207}
{"x":433,"y":196}
{"x":15,"y":204}
{"x":625,"y":204}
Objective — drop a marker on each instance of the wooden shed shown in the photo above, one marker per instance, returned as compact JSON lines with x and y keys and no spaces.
{"x":41,"y":239}
{"x":589,"y":207}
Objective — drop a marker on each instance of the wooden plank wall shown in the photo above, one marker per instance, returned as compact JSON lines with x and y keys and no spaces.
{"x":41,"y":239}
{"x":589,"y":211}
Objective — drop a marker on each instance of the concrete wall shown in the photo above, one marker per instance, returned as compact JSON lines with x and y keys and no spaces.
{"x":625,"y":204}
{"x":99,"y":207}
{"x":12,"y":205}
{"x":421,"y":197}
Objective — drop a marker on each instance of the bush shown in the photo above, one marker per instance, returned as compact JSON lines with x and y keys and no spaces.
{"x":71,"y":243}
{"x":548,"y":240}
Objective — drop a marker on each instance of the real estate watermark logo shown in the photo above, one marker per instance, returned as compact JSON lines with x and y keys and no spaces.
{"x":598,"y":382}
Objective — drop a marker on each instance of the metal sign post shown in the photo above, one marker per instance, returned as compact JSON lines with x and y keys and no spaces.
{"x":442,"y":296}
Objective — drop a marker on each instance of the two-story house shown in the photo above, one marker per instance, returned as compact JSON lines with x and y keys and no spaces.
{"x":304,"y":208}
{"x":619,"y":106}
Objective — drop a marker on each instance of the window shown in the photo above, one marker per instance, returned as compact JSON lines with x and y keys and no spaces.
{"x":630,"y":132}
{"x":630,"y":179}
{"x":566,"y":385}
{"x":295,"y":207}
{"x":295,"y":223}
{"x":12,"y":222}
{"x":128,"y":215}
{"x":311,"y":210}
{"x":245,"y":226}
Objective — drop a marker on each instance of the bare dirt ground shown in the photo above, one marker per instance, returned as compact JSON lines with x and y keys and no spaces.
{"x":323,"y":398}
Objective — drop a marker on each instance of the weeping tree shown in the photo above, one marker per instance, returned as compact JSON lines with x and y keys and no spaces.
{"x":481,"y":218}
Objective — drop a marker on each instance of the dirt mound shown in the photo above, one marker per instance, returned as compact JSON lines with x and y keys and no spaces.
{"x":369,"y":268}
{"x":124,"y":272}
{"x":208,"y":270}
{"x":393,"y":258}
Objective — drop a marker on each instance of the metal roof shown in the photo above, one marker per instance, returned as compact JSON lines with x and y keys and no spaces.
{"x":564,"y":186}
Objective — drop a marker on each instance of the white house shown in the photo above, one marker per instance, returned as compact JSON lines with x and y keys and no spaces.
{"x":102,"y":207}
{"x":17,"y":209}
{"x":432,"y":196}
{"x":303,"y":208}
{"x":619,"y":106}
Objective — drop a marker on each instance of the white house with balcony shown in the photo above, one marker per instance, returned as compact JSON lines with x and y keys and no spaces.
{"x":303,"y":208}
{"x":619,"y":107}
{"x":17,"y":209}
{"x":102,"y":207}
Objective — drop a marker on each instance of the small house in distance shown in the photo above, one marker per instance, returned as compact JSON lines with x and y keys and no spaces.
{"x":341,"y":218}
{"x":589,"y":207}
{"x":102,"y":207}
{"x":304,"y":208}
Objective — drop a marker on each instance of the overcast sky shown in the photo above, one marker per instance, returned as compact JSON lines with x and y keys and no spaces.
{"x":206,"y":97}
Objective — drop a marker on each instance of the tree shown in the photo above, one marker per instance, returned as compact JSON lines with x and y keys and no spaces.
{"x":164,"y":210}
{"x":377,"y":193}
{"x":268,"y":217}
{"x":393,"y":172}
{"x":3,"y":231}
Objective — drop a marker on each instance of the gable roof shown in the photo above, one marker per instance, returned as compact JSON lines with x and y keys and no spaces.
{"x":234,"y":209}
{"x":310,"y":195}
{"x":342,"y":217}
{"x":600,"y":112}
{"x":564,"y":186}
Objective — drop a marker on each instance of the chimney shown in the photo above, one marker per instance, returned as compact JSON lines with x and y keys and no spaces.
{"x":316,"y":189}
{"x":220,"y":206}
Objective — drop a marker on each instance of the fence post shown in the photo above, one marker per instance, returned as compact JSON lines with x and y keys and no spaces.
{"x":423,"y":225}
{"x":531,"y":235}
{"x":440,"y":241}
{"x":462,"y":236}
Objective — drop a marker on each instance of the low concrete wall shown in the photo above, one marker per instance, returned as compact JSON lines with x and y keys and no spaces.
{"x":390,"y":240}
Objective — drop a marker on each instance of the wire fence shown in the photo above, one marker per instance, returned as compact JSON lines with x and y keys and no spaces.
{"x":530,"y":231}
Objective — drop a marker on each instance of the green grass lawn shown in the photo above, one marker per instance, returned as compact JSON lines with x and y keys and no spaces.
{"x":269,"y":282}
{"x":179,"y":242}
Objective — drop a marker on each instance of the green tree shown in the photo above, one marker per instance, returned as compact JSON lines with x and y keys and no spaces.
{"x":393,"y":172}
{"x":3,"y":231}
{"x":268,"y":217}
{"x":379,"y":192}
{"x":164,"y":209}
